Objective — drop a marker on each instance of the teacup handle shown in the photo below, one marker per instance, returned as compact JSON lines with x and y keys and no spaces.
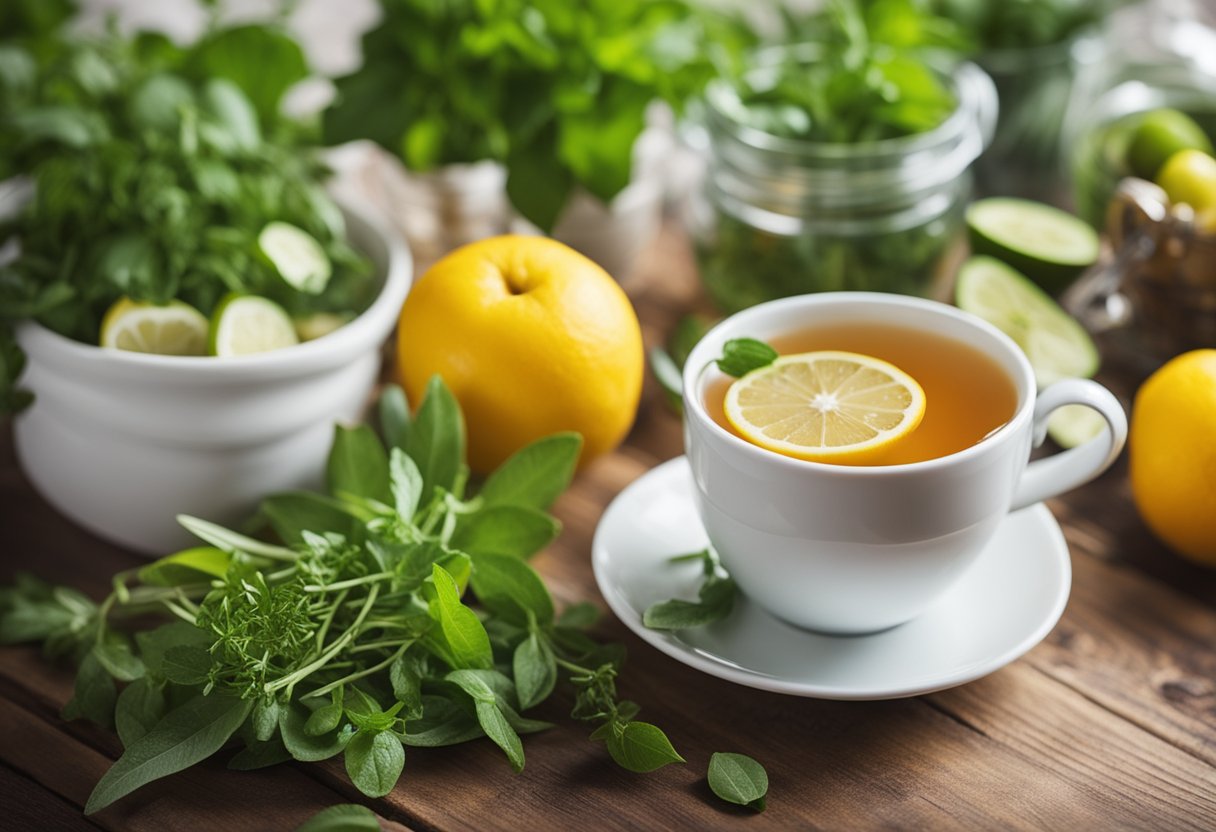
{"x":1064,"y":471}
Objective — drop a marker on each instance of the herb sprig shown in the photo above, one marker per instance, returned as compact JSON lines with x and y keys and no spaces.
{"x":355,"y":635}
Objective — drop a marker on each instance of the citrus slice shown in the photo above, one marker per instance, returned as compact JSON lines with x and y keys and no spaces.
{"x":1048,"y":245}
{"x":174,"y":328}
{"x":296,"y":256}
{"x":1055,"y":344}
{"x":826,"y":406}
{"x":248,"y":324}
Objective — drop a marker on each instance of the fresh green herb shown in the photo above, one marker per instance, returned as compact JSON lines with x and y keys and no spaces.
{"x":154,"y":170}
{"x":345,"y":817}
{"x":1021,"y":24}
{"x":716,"y":598}
{"x":737,"y":778}
{"x":555,"y":91}
{"x":742,"y":355}
{"x":358,"y":637}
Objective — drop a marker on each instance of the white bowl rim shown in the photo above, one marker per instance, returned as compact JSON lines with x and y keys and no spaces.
{"x":338,"y":346}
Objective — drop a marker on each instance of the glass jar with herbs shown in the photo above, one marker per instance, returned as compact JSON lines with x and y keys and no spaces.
{"x":836,"y":168}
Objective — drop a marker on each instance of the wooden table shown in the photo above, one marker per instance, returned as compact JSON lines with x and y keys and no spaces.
{"x":1110,"y":723}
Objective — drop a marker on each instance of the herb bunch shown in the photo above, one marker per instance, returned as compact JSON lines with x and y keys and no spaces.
{"x":354,"y":635}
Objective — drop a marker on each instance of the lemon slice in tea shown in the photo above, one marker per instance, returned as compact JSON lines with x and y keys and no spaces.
{"x":248,"y":324}
{"x":827,"y":406}
{"x":174,"y":328}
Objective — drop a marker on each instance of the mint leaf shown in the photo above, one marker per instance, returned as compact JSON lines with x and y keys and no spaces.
{"x":436,"y":439}
{"x":187,"y":735}
{"x":323,"y":720}
{"x":716,"y":598}
{"x":535,"y":670}
{"x":499,"y":730}
{"x":737,"y":778}
{"x":406,"y":483}
{"x":345,"y":817}
{"x":114,"y":653}
{"x":511,"y":589}
{"x":140,"y":706}
{"x":303,"y":745}
{"x":358,"y":464}
{"x":394,"y":413}
{"x":742,"y":355}
{"x":505,"y":530}
{"x":186,"y":665}
{"x":154,"y":645}
{"x":535,"y":475}
{"x":443,"y":722}
{"x":462,"y":631}
{"x":641,"y":747}
{"x":374,"y":762}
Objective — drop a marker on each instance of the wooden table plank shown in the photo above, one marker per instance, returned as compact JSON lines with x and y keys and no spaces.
{"x":24,"y":804}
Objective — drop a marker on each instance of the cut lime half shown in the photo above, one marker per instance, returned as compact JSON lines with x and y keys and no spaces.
{"x":1048,"y":245}
{"x":174,"y":328}
{"x":296,"y":256}
{"x":248,"y":324}
{"x":1057,"y":346}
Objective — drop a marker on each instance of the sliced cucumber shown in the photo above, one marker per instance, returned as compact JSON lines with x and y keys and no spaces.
{"x":1048,"y":245}
{"x":1057,"y":346}
{"x":296,"y":256}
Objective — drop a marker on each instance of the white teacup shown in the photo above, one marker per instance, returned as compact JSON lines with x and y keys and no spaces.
{"x":844,"y":549}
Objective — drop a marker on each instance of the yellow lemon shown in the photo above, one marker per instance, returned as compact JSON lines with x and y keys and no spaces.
{"x":1190,"y":177}
{"x":532,"y":338}
{"x":826,"y":406}
{"x":174,"y":328}
{"x":1172,"y":451}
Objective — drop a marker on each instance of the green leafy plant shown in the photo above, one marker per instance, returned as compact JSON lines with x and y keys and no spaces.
{"x":355,"y":634}
{"x":556,"y":91}
{"x":715,"y":598}
{"x":737,"y":778}
{"x":154,"y":170}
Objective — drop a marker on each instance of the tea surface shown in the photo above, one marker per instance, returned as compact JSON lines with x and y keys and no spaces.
{"x":967,"y":394}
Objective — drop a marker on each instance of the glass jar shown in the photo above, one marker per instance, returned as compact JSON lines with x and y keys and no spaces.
{"x":1149,"y":63}
{"x":777,"y":217}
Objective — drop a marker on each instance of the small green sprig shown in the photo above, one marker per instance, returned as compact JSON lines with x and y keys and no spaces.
{"x":356,"y":634}
{"x":742,"y":355}
{"x":715,"y":598}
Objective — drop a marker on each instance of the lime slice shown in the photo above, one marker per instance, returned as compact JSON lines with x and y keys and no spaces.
{"x":248,"y":324}
{"x":1074,"y":424}
{"x":319,"y":324}
{"x":1057,"y":346}
{"x":296,"y":256}
{"x":1048,"y":245}
{"x":174,"y":328}
{"x":1158,"y":136}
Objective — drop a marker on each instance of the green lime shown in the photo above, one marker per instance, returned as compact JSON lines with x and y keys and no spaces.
{"x":174,"y":328}
{"x":1057,"y":346}
{"x":248,"y":324}
{"x":1190,"y":177}
{"x":1074,"y":424}
{"x":296,"y":256}
{"x":1159,"y":135}
{"x":1050,"y":246}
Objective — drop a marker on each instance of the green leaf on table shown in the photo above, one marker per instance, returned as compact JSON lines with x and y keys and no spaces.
{"x":511,"y":589}
{"x":535,"y":475}
{"x":742,"y":355}
{"x":186,"y":664}
{"x":95,"y":693}
{"x":185,"y":736}
{"x":716,"y":598}
{"x":140,"y":706}
{"x":499,"y":729}
{"x":345,"y":817}
{"x":260,"y":755}
{"x":436,"y":439}
{"x":405,"y":481}
{"x":394,"y":410}
{"x":264,"y":62}
{"x":737,"y":778}
{"x":190,"y":566}
{"x":358,"y":464}
{"x":505,"y":530}
{"x":462,"y":631}
{"x":641,"y":747}
{"x":304,"y":746}
{"x":374,"y":761}
{"x":535,"y":669}
{"x":295,"y":512}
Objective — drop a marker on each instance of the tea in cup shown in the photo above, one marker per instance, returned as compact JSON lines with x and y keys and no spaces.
{"x":856,"y":548}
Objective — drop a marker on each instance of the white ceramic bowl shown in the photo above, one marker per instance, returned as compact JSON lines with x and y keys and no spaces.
{"x":122,"y":442}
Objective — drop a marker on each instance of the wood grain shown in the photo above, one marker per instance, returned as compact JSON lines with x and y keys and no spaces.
{"x":1109,"y":724}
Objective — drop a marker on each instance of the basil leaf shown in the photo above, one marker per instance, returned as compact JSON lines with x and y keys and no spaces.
{"x":358,"y":464}
{"x":190,"y":566}
{"x":95,"y":694}
{"x":260,"y":755}
{"x":509,"y":588}
{"x":395,"y":419}
{"x":742,"y":355}
{"x":462,"y":631}
{"x":737,"y":778}
{"x":436,"y":439}
{"x":186,"y":665}
{"x":406,"y":483}
{"x":186,"y":736}
{"x":641,"y":747}
{"x":374,"y":762}
{"x":505,"y":530}
{"x":535,"y":475}
{"x":535,"y":670}
{"x":140,"y":706}
{"x":295,"y":512}
{"x":499,"y":730}
{"x":304,"y":746}
{"x":345,"y":817}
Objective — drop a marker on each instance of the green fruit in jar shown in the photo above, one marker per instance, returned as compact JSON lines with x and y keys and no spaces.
{"x":1159,"y":135}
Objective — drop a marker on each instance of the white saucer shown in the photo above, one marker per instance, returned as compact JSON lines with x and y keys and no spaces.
{"x":1005,"y":604}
